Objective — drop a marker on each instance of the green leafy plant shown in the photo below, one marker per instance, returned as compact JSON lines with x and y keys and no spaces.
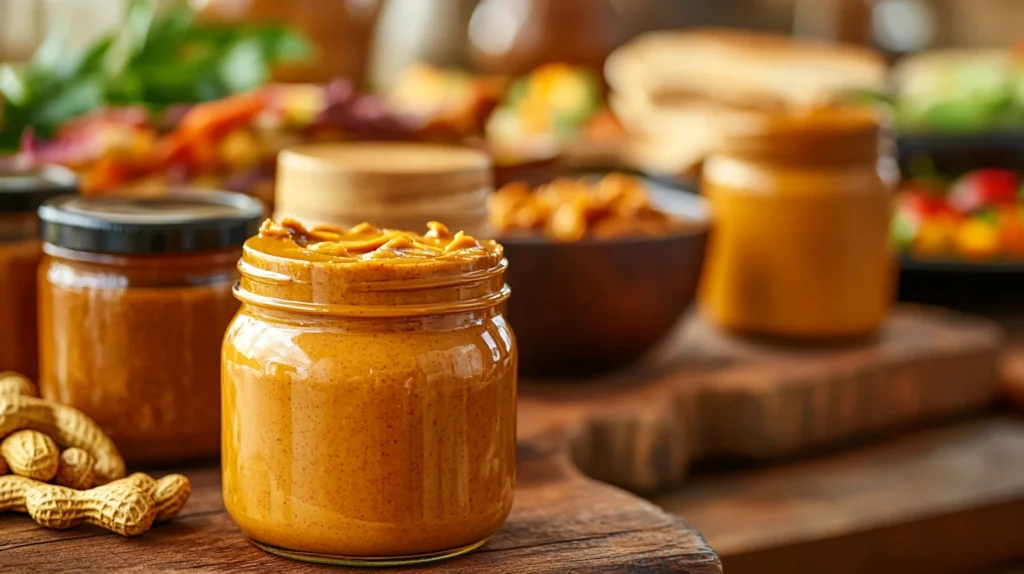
{"x":158,"y":58}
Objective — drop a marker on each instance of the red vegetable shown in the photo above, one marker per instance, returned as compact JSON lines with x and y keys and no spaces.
{"x":984,"y":188}
{"x":922,"y":202}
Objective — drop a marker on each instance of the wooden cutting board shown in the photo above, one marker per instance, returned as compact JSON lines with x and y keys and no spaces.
{"x":706,"y":395}
{"x":561,"y":523}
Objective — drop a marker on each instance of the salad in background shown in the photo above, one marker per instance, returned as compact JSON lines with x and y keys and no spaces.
{"x":978,"y":217}
{"x":231,"y":143}
{"x":960,"y":91}
{"x":446,"y":97}
{"x":556,"y":102}
{"x":552,"y":106}
{"x":158,"y":59}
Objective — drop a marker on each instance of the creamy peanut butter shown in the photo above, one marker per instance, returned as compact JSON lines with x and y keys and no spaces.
{"x":369,"y":389}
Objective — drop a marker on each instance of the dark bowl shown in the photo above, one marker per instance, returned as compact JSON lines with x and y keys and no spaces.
{"x":598,"y":305}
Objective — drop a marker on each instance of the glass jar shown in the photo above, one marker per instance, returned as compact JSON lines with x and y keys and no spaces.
{"x":369,"y":395}
{"x":801,"y":206}
{"x":513,"y":37}
{"x":21,"y":192}
{"x":134,"y":298}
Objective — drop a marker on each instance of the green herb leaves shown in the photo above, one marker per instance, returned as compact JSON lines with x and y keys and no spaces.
{"x":158,"y":58}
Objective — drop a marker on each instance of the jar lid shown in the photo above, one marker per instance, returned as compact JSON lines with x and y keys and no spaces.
{"x":328,"y":179}
{"x":181,"y":221}
{"x":831,"y":133}
{"x":24,"y":190}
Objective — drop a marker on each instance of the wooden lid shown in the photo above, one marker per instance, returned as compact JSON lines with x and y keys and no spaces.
{"x":395,"y":185}
{"x":337,"y":176}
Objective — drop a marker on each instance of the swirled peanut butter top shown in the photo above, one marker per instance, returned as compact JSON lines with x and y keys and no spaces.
{"x":366,"y":265}
{"x":365,"y":242}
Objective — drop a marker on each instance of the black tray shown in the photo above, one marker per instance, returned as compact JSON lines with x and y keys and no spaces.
{"x":954,"y":154}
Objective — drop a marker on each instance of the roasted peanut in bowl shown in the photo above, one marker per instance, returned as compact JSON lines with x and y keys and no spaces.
{"x":602,"y":268}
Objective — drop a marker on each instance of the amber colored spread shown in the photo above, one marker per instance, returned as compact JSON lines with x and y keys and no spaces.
{"x":801,"y":209}
{"x":19,"y":260}
{"x":134,"y":342}
{"x":369,"y":390}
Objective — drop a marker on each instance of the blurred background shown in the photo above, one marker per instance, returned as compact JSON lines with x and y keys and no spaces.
{"x":897,"y":26}
{"x":833,"y":164}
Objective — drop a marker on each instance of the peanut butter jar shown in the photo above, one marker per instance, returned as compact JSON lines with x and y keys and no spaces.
{"x":134,"y":298}
{"x":21,"y":193}
{"x":801,"y":207}
{"x":369,"y":394}
{"x":395,"y":185}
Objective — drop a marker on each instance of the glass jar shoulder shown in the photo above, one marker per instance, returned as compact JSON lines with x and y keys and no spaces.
{"x":464,"y":347}
{"x":723,"y":173}
{"x":84,"y":271}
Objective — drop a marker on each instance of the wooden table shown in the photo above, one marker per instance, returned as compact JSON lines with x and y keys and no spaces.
{"x":948,"y":498}
{"x":941,"y":500}
{"x":561,"y":522}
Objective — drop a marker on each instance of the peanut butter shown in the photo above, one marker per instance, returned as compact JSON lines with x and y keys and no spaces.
{"x":141,"y":359}
{"x":19,"y":258}
{"x":134,"y":297}
{"x":369,"y":390}
{"x":801,"y":211}
{"x":21,"y":192}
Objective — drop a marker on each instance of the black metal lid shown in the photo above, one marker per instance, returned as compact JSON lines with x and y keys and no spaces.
{"x":24,"y":190}
{"x":181,"y":221}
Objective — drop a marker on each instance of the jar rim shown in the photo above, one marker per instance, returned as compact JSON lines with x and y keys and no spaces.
{"x":368,"y":271}
{"x":823,"y":134}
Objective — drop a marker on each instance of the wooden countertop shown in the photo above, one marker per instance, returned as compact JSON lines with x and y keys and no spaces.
{"x":561,"y":522}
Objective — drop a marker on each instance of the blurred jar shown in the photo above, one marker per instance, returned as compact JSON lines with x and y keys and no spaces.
{"x":21,"y":193}
{"x":417,"y":31}
{"x":134,"y":298}
{"x":342,"y":31}
{"x":515,"y":36}
{"x":801,"y":208}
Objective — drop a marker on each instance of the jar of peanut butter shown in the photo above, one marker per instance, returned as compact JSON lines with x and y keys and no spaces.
{"x":395,"y":185}
{"x":134,"y":299}
{"x":21,"y":193}
{"x":369,"y":394}
{"x":800,"y":205}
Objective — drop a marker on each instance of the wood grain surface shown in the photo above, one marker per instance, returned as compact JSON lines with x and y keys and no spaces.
{"x":561,"y":522}
{"x":937,"y":501}
{"x":1011,"y":375}
{"x":709,"y":395}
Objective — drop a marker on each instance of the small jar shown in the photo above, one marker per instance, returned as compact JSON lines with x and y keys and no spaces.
{"x":395,"y":185}
{"x":801,"y":206}
{"x":134,"y":299}
{"x":21,"y":193}
{"x":369,"y":395}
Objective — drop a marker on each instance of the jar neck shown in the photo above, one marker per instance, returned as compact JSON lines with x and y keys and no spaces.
{"x":148,"y":270}
{"x":825,"y":136}
{"x":386,"y":287}
{"x":330,"y":295}
{"x":812,"y":149}
{"x":450,"y":321}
